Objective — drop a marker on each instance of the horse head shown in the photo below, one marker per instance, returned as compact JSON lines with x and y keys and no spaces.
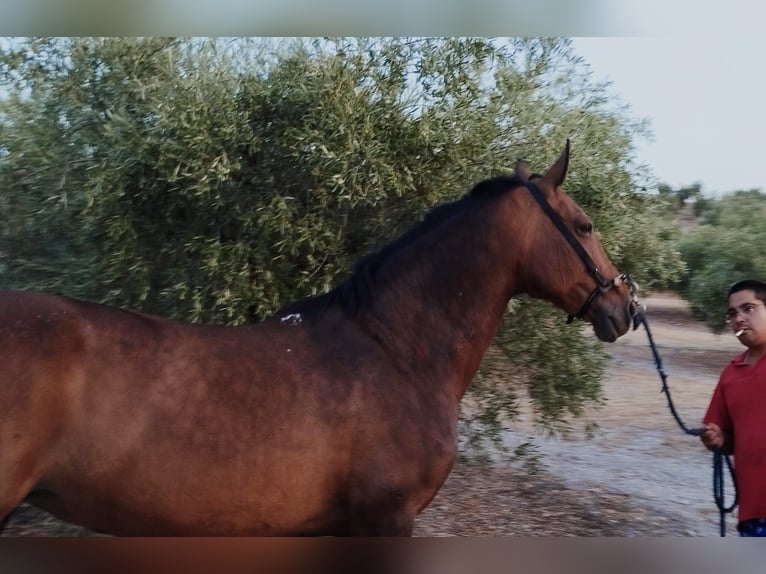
{"x":566,"y":263}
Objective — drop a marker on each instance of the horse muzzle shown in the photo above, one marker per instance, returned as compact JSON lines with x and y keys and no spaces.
{"x":604,"y":286}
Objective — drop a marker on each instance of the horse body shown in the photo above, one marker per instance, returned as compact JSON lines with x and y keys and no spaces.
{"x":182,"y":437}
{"x":336,"y":416}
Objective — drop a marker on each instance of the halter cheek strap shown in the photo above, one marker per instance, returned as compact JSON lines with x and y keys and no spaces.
{"x":602,"y":285}
{"x":600,"y":290}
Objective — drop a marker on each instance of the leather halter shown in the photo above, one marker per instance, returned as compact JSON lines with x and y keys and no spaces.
{"x":602,"y":285}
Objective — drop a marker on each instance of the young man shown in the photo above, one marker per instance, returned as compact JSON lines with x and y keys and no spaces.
{"x":736,"y":418}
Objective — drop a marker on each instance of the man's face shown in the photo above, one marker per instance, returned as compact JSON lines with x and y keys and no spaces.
{"x":748,"y":314}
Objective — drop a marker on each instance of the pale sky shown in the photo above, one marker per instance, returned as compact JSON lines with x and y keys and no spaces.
{"x":705,"y":96}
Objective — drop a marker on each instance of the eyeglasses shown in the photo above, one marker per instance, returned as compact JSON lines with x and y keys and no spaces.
{"x":746,"y":309}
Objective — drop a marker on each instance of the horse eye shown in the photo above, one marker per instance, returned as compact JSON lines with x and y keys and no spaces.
{"x":585,"y":227}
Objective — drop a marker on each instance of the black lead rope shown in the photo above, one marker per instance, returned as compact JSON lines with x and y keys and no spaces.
{"x":718,"y":456}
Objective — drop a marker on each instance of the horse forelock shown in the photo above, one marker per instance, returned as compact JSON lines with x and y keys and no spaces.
{"x":356,"y":292}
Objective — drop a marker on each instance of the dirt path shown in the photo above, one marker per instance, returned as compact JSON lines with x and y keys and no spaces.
{"x":639,"y":476}
{"x":641,"y":451}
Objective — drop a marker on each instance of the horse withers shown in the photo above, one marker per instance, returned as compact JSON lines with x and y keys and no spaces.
{"x":336,"y":416}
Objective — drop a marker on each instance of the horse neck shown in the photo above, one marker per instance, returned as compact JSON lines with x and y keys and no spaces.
{"x":442,"y":298}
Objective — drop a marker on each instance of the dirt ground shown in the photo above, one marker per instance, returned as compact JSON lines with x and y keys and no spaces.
{"x":638,"y":476}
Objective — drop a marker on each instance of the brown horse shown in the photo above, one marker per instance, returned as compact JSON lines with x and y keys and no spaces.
{"x":336,"y":416}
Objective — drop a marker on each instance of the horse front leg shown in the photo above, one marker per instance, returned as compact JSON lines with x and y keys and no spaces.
{"x":386,"y":513}
{"x":18,"y":473}
{"x":378,"y":522}
{"x":12,"y":495}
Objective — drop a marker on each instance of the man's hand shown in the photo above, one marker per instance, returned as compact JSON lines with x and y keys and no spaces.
{"x":712,"y":437}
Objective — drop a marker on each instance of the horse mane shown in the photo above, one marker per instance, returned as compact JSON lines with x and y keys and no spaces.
{"x":355,"y":292}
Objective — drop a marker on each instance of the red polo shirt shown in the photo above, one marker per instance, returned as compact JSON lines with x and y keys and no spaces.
{"x":739,"y":406}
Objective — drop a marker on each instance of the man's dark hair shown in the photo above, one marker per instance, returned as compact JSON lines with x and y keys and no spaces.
{"x":758,"y":287}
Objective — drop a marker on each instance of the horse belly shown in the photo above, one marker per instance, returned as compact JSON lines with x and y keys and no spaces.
{"x":163,"y":487}
{"x":169,"y":512}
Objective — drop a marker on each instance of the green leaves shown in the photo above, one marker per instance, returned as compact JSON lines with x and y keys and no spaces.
{"x":727,"y":248}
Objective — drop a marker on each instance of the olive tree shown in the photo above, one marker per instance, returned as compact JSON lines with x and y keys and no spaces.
{"x":215,"y":180}
{"x":727,"y":247}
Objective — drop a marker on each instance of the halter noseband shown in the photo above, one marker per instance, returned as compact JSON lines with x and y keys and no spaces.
{"x":602,"y":285}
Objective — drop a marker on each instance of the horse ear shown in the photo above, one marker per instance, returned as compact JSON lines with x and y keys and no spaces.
{"x":522,"y":170}
{"x":558,"y":171}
